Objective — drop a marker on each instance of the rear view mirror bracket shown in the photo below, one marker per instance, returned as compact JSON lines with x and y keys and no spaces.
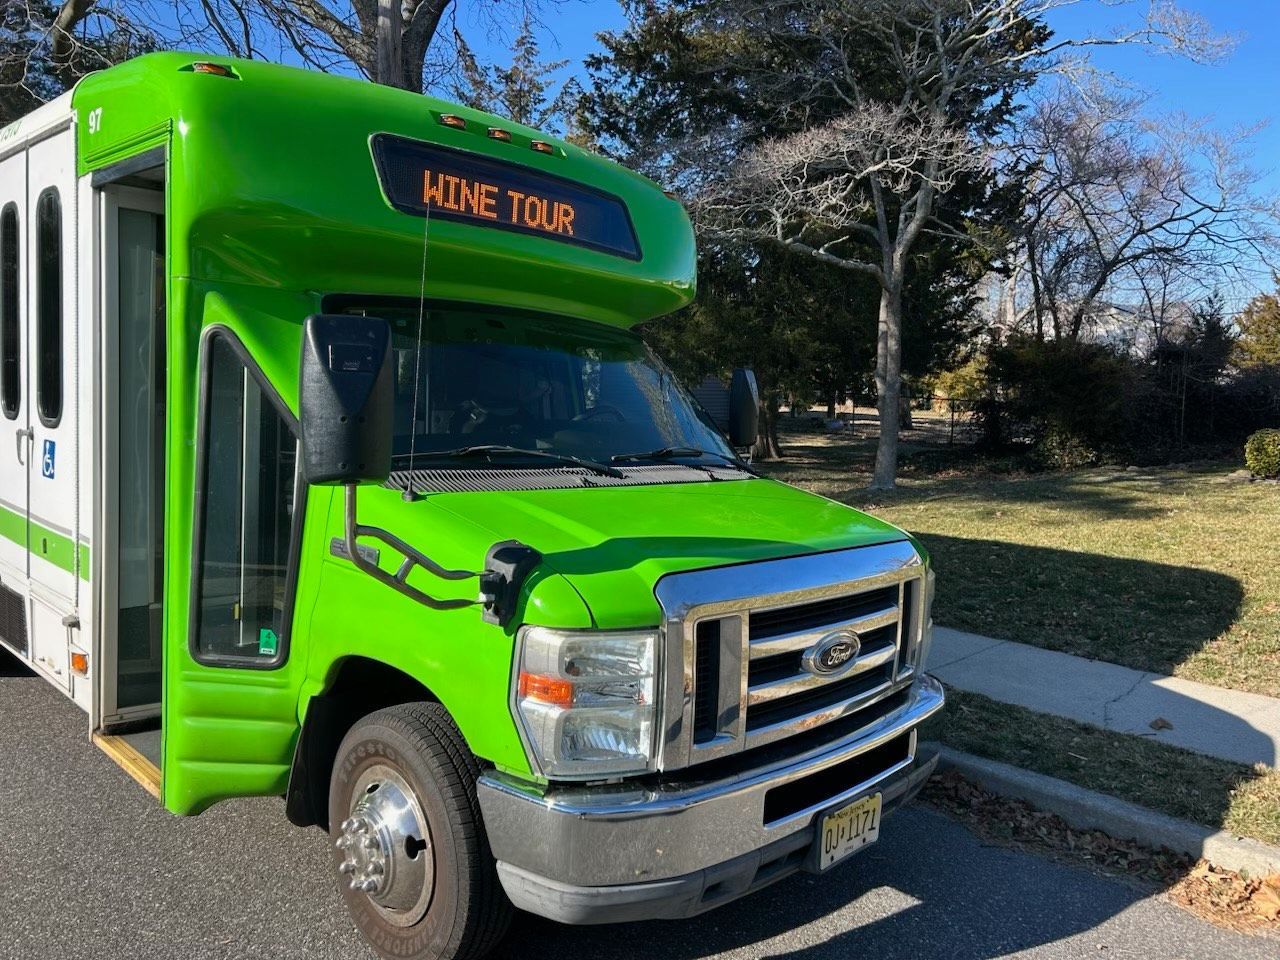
{"x":346,"y":404}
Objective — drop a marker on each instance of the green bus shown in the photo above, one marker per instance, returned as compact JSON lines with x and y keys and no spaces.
{"x":339,"y":475}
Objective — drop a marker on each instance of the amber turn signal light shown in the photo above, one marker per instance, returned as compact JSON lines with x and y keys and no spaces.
{"x":80,"y":663}
{"x":551,"y":690}
{"x":453,"y":120}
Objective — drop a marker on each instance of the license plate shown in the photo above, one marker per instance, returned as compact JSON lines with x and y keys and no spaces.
{"x":849,"y":829}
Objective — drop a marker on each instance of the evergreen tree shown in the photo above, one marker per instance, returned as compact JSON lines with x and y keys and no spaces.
{"x":1259,"y":322}
{"x":525,"y":91}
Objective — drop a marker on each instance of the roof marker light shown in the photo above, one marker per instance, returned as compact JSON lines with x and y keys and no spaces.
{"x":453,"y":120}
{"x":542,"y":146}
{"x":216,"y":69}
{"x":497,"y":133}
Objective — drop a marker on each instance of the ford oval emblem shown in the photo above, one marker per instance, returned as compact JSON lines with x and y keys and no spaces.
{"x":833,"y":654}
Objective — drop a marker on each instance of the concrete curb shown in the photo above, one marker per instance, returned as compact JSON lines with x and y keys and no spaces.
{"x":1088,"y":810}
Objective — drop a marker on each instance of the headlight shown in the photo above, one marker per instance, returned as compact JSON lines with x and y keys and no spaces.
{"x":585,"y":700}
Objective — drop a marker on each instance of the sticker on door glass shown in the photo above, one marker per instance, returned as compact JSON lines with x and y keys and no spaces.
{"x":47,"y":461}
{"x":267,"y":642}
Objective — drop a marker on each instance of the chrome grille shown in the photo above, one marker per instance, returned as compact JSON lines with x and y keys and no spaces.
{"x":736,"y":639}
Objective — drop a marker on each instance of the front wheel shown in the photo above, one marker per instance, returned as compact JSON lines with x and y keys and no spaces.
{"x":413,"y":860}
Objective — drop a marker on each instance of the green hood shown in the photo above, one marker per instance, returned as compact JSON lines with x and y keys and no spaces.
{"x":613,"y":544}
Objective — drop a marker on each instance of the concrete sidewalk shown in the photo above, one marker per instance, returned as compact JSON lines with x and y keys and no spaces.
{"x":1243,"y":727}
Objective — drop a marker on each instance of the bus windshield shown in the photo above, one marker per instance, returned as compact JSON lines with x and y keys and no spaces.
{"x":549,"y":384}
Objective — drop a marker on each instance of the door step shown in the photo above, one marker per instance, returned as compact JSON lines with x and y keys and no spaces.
{"x":132,"y":761}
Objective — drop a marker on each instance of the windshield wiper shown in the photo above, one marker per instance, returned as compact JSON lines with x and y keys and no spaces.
{"x":485,"y":449}
{"x":670,"y":453}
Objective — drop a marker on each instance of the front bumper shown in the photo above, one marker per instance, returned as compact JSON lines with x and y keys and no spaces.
{"x":581,"y":854}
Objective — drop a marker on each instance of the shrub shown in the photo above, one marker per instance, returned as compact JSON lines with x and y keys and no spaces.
{"x":1060,"y":450}
{"x":1076,"y":396}
{"x":1262,"y":453}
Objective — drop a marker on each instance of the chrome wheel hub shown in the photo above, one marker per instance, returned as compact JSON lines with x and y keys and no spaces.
{"x":386,"y":846}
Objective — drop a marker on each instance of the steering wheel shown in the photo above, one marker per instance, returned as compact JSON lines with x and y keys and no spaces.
{"x":601,"y":409}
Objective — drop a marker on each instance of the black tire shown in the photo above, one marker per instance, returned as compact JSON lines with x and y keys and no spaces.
{"x":468,"y":912}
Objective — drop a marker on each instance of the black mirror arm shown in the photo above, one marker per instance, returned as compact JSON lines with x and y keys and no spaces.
{"x":412,"y":558}
{"x":506,"y":567}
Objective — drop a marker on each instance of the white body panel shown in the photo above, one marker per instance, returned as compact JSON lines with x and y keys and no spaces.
{"x":46,"y":473}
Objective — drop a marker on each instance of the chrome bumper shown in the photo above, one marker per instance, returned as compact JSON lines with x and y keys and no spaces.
{"x":655,"y":843}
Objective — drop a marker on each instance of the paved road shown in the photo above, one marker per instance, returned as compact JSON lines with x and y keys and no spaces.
{"x":91,"y":867}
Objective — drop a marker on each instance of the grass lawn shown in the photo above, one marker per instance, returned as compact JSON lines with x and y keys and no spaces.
{"x":1213,"y":792}
{"x":1171,"y":570}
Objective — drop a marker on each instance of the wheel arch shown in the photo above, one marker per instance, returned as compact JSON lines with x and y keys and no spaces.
{"x":356,"y":687}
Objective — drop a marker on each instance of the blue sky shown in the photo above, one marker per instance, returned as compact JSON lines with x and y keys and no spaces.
{"x":1242,"y":91}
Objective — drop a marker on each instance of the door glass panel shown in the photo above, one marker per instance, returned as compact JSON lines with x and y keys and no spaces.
{"x":10,"y":342}
{"x":249,"y":484}
{"x":49,"y":310}
{"x":141,"y":311}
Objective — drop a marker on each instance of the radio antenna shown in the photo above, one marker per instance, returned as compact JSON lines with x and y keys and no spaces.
{"x":409,"y":493}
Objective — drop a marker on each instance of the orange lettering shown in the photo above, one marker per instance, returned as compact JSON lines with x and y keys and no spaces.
{"x":564,"y":218}
{"x":531,"y":207}
{"x":516,"y":197}
{"x":547,"y":216}
{"x":487,"y":201}
{"x":430,"y":189}
{"x":468,"y":198}
{"x":451,"y":199}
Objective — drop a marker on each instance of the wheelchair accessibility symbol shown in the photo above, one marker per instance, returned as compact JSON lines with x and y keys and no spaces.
{"x":47,"y":462}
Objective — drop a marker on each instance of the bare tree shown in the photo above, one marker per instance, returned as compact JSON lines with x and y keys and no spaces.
{"x":412,"y":44}
{"x":45,"y":46}
{"x":1127,"y":208}
{"x":859,"y":193}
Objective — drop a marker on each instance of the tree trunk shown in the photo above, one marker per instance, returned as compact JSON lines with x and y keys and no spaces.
{"x":62,"y":52}
{"x":767,"y":446}
{"x":389,"y":69}
{"x":831,"y":407}
{"x":888,"y":384}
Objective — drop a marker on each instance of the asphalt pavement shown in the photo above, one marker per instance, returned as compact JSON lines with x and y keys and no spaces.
{"x":92,"y":867}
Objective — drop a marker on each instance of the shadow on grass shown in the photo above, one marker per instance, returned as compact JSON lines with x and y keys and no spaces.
{"x":1149,"y":616}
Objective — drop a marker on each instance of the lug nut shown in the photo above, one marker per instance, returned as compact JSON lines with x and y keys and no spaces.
{"x":369,"y":886}
{"x":347,"y":866}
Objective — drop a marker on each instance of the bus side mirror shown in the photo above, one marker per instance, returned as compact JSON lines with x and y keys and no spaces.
{"x":346,"y":399}
{"x":744,"y":408}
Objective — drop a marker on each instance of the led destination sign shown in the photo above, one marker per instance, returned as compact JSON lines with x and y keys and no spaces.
{"x":454,"y":185}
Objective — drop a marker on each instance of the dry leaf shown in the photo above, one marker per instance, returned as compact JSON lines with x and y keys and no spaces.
{"x":1160,"y":723}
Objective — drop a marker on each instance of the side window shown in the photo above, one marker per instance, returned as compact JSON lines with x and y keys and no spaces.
{"x":10,"y":341}
{"x":49,"y":308}
{"x":250,"y":519}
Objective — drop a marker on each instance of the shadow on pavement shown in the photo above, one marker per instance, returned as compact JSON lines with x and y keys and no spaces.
{"x":11,"y":666}
{"x":932,"y":889}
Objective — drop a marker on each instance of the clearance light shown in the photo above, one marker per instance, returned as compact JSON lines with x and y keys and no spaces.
{"x":216,"y":69}
{"x":542,"y":146}
{"x":80,"y":663}
{"x":453,"y":120}
{"x":497,"y":133}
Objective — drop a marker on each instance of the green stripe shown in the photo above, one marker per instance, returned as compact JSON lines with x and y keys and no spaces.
{"x":47,"y":544}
